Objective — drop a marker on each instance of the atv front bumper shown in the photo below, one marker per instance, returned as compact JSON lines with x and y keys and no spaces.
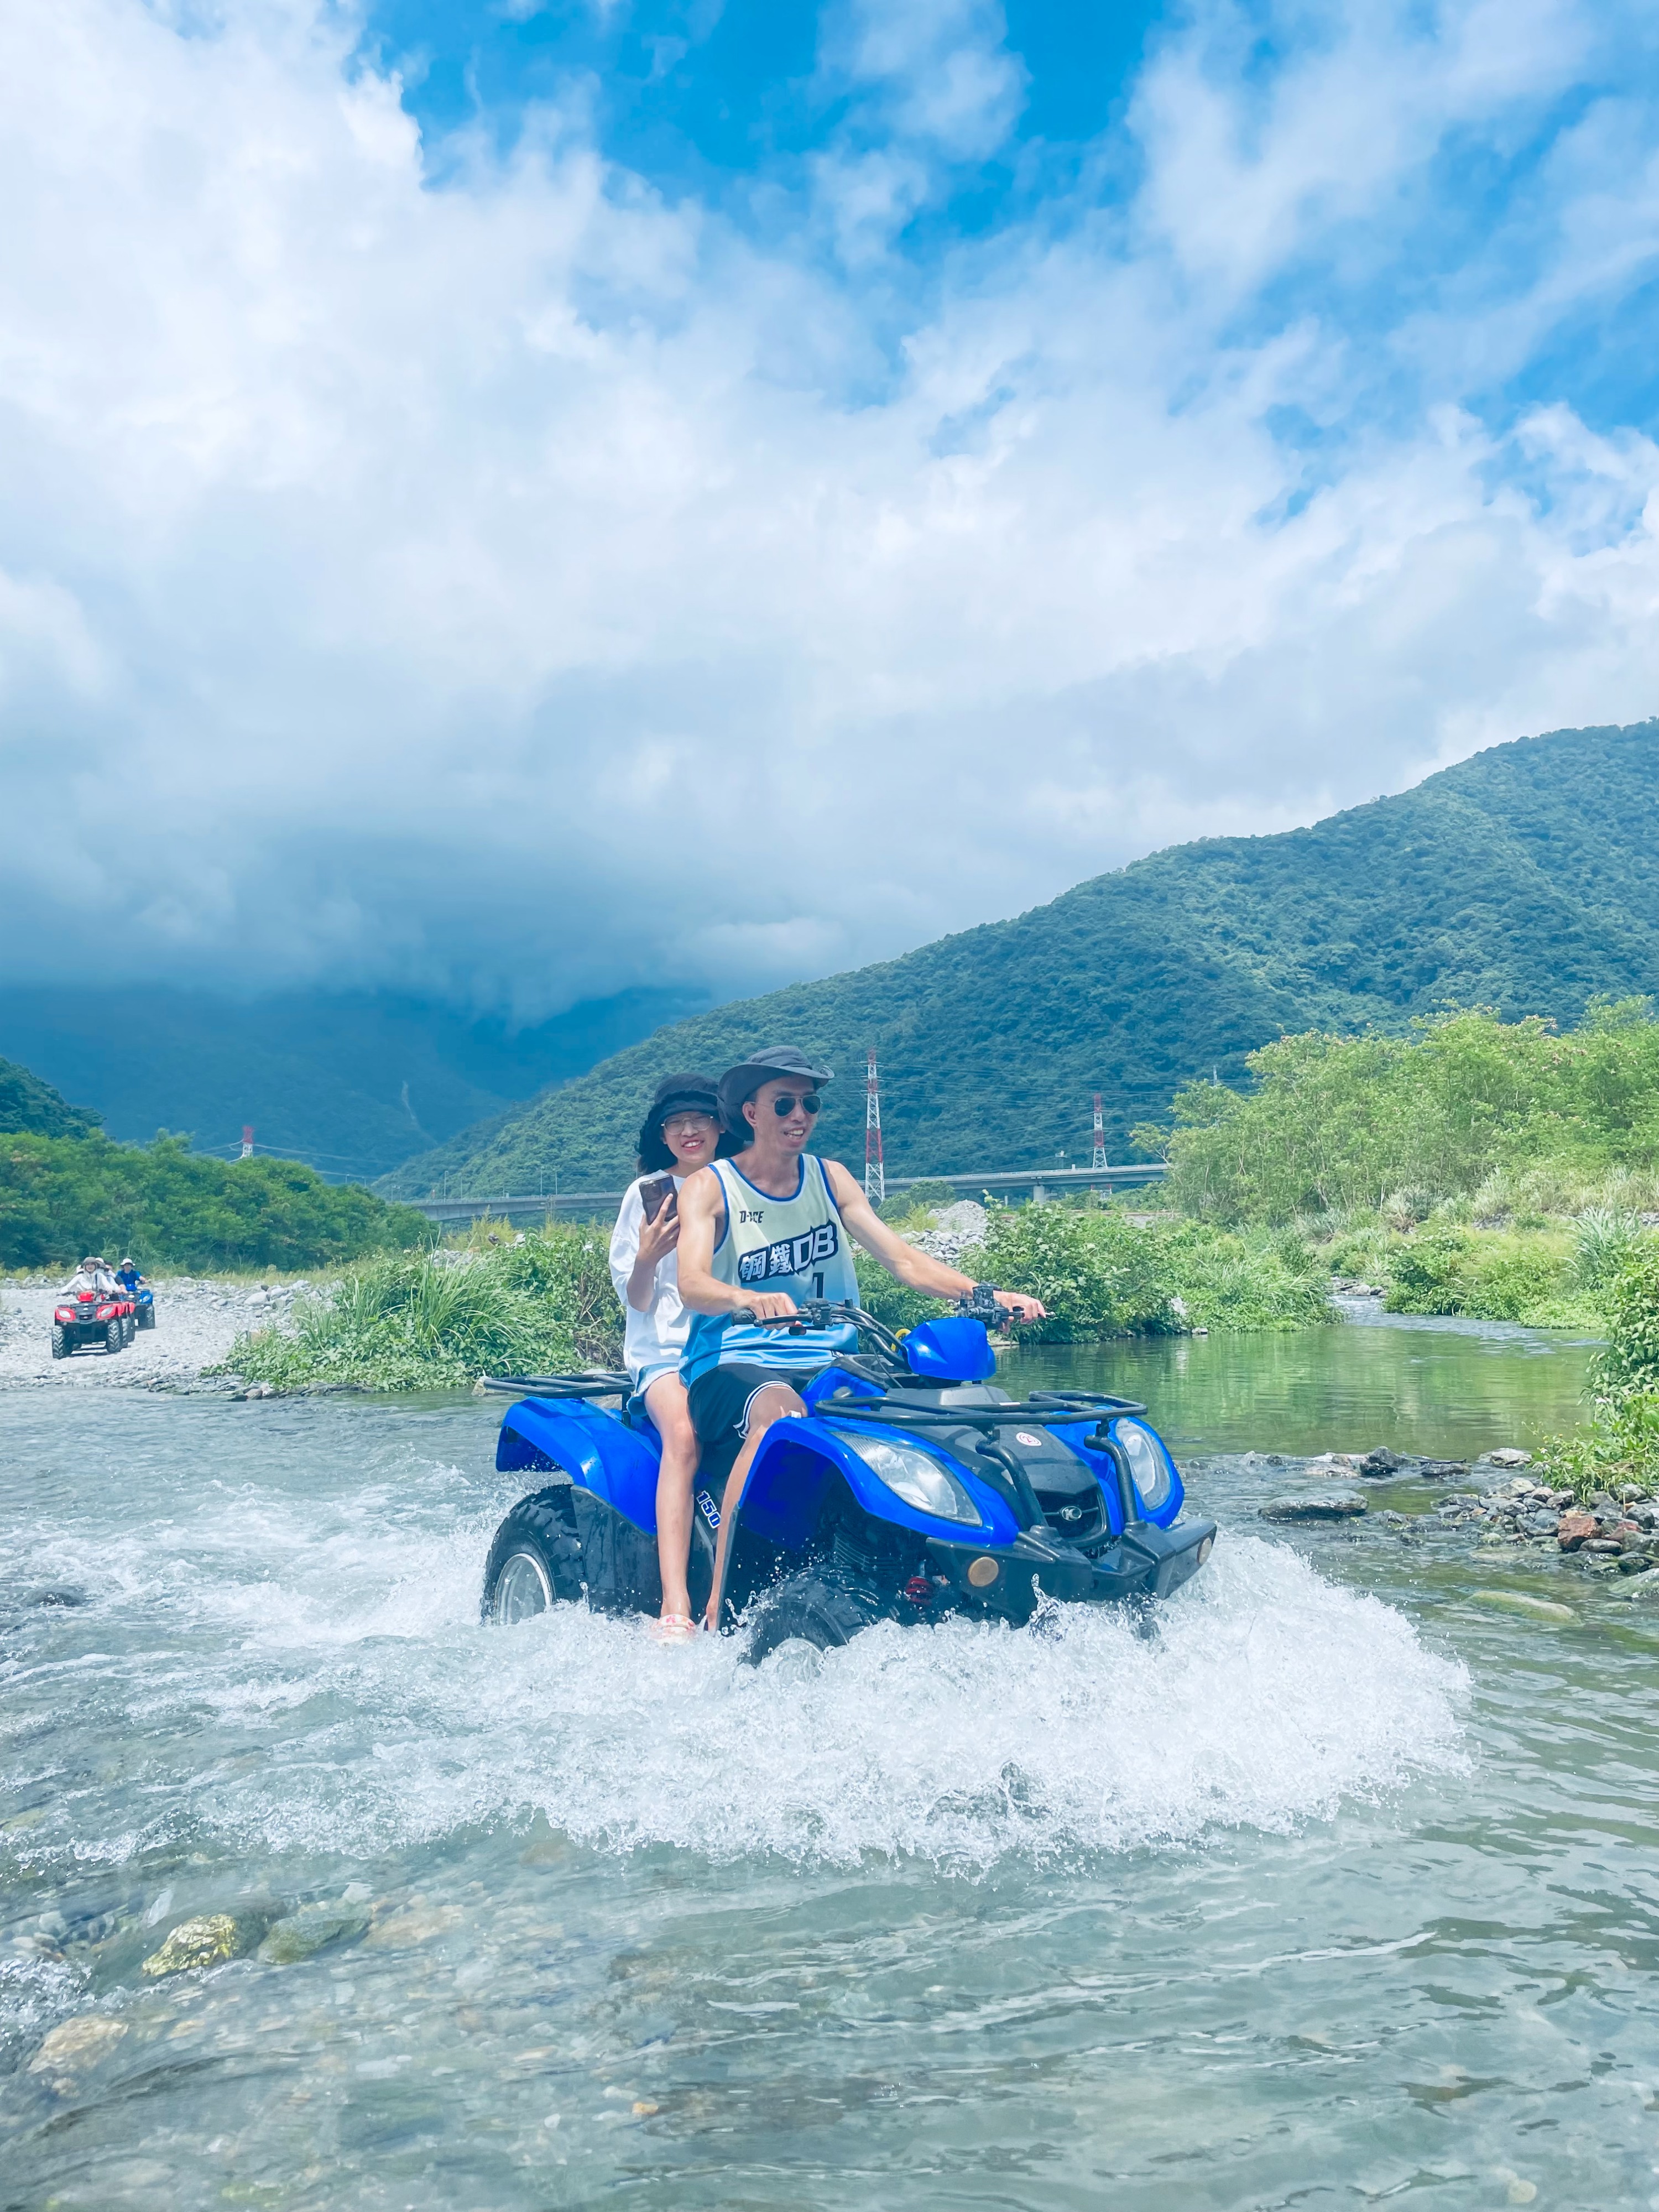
{"x":1009,"y":1578}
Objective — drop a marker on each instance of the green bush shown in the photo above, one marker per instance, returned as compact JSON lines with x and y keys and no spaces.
{"x":1100,"y":1275}
{"x":428,"y":1323}
{"x":1462,"y":1109}
{"x":1630,"y":1363}
{"x":1620,"y":1444}
{"x":1519,"y":1275}
{"x":63,"y":1196}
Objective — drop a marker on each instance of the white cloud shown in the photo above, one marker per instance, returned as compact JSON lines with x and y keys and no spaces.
{"x":528,"y":585}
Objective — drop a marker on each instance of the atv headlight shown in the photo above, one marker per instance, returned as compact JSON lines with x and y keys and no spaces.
{"x":917,"y":1478}
{"x":1149,"y":1463}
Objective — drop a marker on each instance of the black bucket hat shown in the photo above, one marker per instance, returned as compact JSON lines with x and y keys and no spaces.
{"x":766,"y":1065}
{"x":686,"y":1093}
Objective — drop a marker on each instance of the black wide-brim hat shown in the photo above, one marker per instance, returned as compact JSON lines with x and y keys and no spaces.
{"x":688,"y":1092}
{"x":771,"y":1064}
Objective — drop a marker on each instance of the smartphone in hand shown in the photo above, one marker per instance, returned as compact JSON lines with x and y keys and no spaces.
{"x":653,"y":1196}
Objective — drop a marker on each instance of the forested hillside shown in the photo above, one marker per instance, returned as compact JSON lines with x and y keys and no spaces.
{"x":28,"y":1104}
{"x":352,"y":1081}
{"x":1521,"y":879}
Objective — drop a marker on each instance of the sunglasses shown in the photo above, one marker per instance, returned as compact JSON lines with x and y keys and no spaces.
{"x":785,"y":1106}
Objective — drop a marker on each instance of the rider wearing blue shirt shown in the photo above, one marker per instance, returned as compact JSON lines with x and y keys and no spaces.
{"x":129,"y":1277}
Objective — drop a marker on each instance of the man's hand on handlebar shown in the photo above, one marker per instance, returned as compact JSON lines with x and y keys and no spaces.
{"x":767,"y":1305}
{"x":1021,"y":1308}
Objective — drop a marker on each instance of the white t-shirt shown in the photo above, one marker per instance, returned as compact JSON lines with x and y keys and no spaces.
{"x":655,"y":1338}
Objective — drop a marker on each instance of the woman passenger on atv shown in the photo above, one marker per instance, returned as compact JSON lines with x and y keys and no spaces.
{"x":681,"y":1132}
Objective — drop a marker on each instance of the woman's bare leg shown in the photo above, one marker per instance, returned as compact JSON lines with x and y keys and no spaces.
{"x":777,"y":1402}
{"x":666,"y":1402}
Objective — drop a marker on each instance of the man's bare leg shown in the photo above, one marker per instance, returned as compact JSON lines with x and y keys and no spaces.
{"x":776,"y":1402}
{"x":666,"y":1402}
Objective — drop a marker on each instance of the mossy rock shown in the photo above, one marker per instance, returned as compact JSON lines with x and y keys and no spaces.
{"x":204,"y":1941}
{"x":302,"y":1935}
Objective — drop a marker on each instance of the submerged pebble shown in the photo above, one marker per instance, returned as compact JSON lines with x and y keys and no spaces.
{"x":302,"y":1935}
{"x":1535,"y":1608}
{"x":77,"y":2043}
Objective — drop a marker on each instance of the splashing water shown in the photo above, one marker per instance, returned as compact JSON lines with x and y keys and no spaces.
{"x":287,"y":1674}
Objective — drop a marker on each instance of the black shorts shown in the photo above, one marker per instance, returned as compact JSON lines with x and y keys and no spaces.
{"x":720,"y":1401}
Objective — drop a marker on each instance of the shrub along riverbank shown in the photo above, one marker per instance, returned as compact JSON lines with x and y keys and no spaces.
{"x":1617,"y":1450}
{"x":1490,"y":1169}
{"x":506,"y":1306}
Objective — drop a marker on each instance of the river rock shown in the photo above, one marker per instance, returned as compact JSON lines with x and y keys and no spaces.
{"x":1574,"y":1529}
{"x":1329,"y":1506}
{"x":1443,"y":1470}
{"x":1381,"y":1461}
{"x":415,"y":1922}
{"x":77,"y":2043}
{"x":303,"y":1934}
{"x":1509,"y":1456}
{"x":1635,"y":1563}
{"x":1535,"y":1608}
{"x":202,"y":1942}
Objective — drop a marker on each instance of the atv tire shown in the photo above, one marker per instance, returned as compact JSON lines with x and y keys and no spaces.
{"x":59,"y":1343}
{"x":115,"y":1337}
{"x":146,"y":1317}
{"x":536,"y":1560}
{"x":824,"y":1610}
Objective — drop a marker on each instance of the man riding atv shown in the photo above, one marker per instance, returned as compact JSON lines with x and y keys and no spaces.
{"x":760,"y":1232}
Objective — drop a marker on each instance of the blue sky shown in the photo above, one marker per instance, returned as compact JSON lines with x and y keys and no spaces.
{"x":521,"y":501}
{"x":702,"y":96}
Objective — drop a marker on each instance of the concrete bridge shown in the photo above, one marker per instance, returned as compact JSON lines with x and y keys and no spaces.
{"x":1038,"y":1183}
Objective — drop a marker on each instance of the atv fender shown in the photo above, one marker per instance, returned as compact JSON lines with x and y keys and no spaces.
{"x":618,"y":1465}
{"x":798,"y":1460}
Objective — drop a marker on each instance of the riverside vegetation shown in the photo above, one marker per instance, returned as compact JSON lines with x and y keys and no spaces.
{"x":1476,"y":1167}
{"x":1501,"y":1170}
{"x":529,"y":1304}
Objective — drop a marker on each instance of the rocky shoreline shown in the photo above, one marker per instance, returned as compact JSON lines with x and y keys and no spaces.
{"x":1492,"y":1507}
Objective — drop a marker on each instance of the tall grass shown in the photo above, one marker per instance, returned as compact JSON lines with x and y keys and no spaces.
{"x":438,"y":1321}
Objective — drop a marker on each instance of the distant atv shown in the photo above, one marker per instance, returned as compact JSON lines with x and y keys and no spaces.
{"x":88,"y":1321}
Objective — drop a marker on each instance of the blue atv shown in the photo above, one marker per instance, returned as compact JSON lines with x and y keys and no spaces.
{"x":915,"y":1490}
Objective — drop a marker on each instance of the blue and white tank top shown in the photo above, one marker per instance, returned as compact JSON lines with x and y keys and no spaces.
{"x":795,"y":1244}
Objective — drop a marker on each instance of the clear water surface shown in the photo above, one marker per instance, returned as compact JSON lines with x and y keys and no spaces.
{"x":1340,"y":1888}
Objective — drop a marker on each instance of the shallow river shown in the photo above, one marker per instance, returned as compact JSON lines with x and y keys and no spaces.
{"x":1340,"y":1888}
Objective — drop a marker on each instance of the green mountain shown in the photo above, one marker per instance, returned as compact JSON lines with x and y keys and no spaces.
{"x":351,"y":1082}
{"x":1521,"y":879}
{"x":27,"y":1104}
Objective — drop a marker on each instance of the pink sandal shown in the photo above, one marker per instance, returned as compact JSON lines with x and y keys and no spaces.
{"x":673,"y":1628}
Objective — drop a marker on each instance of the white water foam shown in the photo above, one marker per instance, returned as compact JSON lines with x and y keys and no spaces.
{"x":342,"y":1641}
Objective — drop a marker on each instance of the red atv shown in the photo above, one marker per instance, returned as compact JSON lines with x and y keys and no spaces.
{"x":87,"y":1318}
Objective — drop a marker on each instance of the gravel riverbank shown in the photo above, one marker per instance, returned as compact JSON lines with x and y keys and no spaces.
{"x":198,"y":1319}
